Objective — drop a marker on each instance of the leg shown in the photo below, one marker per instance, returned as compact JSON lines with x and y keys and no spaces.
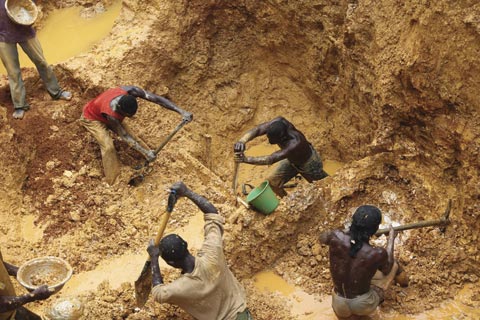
{"x":284,"y":172}
{"x":25,"y":314}
{"x":111,"y":164}
{"x":34,"y":51}
{"x":9,"y":57}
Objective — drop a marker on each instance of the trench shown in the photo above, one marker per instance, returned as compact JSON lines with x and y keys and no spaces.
{"x":89,"y":224}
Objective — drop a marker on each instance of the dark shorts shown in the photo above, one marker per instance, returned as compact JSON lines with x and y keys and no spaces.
{"x":245,"y":315}
{"x":311,"y":170}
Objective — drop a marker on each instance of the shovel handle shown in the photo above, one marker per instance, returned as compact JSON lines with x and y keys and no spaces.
{"x":444,"y":221}
{"x":172,"y":199}
{"x":170,"y":136}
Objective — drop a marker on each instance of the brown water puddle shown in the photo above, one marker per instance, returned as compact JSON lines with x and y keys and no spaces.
{"x":66,"y":34}
{"x":308,"y":307}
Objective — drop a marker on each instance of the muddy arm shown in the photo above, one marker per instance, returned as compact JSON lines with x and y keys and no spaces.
{"x":11,"y":269}
{"x":117,"y":127}
{"x":152,"y":97}
{"x":10,"y":303}
{"x":202,"y":203}
{"x":259,"y":130}
{"x":154,"y":252}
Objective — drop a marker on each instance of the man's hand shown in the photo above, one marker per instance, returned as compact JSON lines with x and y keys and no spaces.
{"x":239,"y":147}
{"x":392,"y":234}
{"x":187,"y":116}
{"x":239,"y":157}
{"x":150,"y":155}
{"x":153,"y":250}
{"x":41,"y":293}
{"x":180,"y":188}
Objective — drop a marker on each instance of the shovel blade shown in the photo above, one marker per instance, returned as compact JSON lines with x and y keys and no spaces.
{"x":143,"y":285}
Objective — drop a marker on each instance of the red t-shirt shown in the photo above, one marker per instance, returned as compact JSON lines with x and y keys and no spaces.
{"x":97,"y":108}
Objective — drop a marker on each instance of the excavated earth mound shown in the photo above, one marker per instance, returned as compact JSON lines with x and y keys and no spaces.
{"x":389,"y":89}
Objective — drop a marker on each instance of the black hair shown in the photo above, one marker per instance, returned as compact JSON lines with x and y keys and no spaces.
{"x":276,"y":131}
{"x":128,"y":104}
{"x":365,"y":222}
{"x":173,"y":248}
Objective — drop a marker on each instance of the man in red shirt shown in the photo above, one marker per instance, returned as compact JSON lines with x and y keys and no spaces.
{"x":108,"y":110}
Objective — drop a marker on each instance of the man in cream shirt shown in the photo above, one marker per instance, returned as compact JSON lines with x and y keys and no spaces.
{"x":207,"y":289}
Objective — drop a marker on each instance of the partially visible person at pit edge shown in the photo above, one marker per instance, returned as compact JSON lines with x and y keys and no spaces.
{"x":11,"y":34}
{"x":11,"y":305}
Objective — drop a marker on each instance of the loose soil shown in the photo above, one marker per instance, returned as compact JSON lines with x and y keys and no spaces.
{"x":389,"y":89}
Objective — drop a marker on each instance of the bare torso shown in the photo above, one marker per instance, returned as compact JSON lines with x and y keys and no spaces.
{"x":352,"y":276}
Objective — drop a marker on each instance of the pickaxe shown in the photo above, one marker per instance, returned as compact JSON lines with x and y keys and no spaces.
{"x":443,"y":222}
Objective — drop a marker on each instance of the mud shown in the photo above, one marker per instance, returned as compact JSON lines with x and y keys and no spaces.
{"x":388,"y":90}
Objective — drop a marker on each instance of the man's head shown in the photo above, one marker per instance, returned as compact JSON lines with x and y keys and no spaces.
{"x":365,"y":222}
{"x":276,"y":132}
{"x":127,"y":105}
{"x":174,"y":250}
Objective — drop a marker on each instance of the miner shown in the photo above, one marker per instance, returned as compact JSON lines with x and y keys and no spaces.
{"x":207,"y":289}
{"x":11,"y":305}
{"x":12,"y":33}
{"x":361,"y":272}
{"x":107,"y":111}
{"x":296,"y":154}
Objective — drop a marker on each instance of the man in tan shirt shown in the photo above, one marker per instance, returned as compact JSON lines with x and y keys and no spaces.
{"x":207,"y":289}
{"x":11,"y":305}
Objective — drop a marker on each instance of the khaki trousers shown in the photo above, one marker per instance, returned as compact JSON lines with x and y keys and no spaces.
{"x":9,"y":57}
{"x":110,"y":162}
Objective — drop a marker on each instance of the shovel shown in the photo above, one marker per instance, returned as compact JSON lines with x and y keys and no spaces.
{"x":138,"y":178}
{"x":443,"y":222}
{"x":143,"y":285}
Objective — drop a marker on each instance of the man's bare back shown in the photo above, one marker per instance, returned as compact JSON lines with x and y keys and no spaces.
{"x":352,"y":276}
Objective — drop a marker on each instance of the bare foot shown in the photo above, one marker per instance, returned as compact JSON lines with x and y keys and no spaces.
{"x":65,"y":95}
{"x":18,"y":114}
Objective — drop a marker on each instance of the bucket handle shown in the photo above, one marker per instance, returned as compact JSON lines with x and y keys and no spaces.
{"x":244,"y":188}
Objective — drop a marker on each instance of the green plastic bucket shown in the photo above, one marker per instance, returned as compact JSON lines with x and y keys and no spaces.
{"x":263,"y":198}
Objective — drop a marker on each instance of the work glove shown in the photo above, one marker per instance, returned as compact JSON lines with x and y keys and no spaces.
{"x":150,"y":155}
{"x":42,"y":293}
{"x":239,"y":157}
{"x":153,"y":250}
{"x":239,"y":147}
{"x":179,"y":188}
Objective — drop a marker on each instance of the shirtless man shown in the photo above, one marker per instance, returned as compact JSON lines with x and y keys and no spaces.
{"x":360,"y":272}
{"x":11,"y":305}
{"x":107,"y":111}
{"x":207,"y":289}
{"x":296,"y":154}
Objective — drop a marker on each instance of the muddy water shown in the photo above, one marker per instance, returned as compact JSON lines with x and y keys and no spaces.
{"x":255,"y":175}
{"x":66,"y":34}
{"x":309,"y":307}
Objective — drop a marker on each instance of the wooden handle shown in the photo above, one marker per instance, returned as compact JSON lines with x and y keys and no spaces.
{"x":161,"y":229}
{"x":170,"y":136}
{"x":444,"y":221}
{"x":235,"y":177}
